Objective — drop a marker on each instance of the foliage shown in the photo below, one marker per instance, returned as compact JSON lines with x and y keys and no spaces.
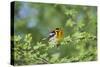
{"x":75,"y":48}
{"x":34,"y":21}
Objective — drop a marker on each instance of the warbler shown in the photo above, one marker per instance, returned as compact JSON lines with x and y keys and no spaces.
{"x":55,"y":36}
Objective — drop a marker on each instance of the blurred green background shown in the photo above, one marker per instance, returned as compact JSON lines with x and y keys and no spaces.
{"x":34,"y":21}
{"x":39,"y":19}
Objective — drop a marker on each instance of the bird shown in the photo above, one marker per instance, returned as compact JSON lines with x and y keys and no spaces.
{"x":55,"y":36}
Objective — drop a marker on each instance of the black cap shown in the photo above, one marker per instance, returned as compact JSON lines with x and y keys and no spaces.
{"x":57,"y":28}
